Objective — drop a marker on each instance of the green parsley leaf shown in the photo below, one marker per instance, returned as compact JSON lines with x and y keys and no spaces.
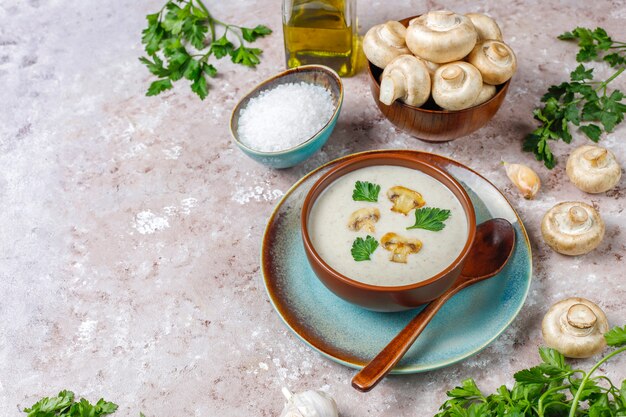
{"x":362,"y":249}
{"x":246,"y":56}
{"x":182,"y":37}
{"x":430,"y":218}
{"x":553,"y":358}
{"x":209,"y":70}
{"x":580,"y":99}
{"x":581,"y":73}
{"x":63,"y":405}
{"x":159,"y":86}
{"x":199,"y":86}
{"x":252,"y":35}
{"x":592,"y":131}
{"x":222,"y":47}
{"x":365,"y":191}
{"x":616,"y":337}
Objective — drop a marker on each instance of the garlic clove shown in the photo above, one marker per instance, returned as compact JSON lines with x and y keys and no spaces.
{"x":310,"y":403}
{"x":524,"y":178}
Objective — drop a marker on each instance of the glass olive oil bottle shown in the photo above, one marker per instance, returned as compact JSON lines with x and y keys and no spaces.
{"x":321,"y":32}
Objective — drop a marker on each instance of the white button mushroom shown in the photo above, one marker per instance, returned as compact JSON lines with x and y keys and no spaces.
{"x":593,"y":169}
{"x":441,"y":36}
{"x":572,"y":228}
{"x":384,"y":42}
{"x":495,"y":61}
{"x":309,"y":404}
{"x":456,"y":85}
{"x":575,"y":327}
{"x":431,"y":67}
{"x":486,"y":27}
{"x":487,"y":91}
{"x":405,"y":78}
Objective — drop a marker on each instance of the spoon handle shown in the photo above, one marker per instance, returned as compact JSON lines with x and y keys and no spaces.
{"x":373,"y":372}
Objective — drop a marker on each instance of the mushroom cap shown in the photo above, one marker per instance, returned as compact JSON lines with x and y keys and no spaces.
{"x":487,"y":91}
{"x":593,"y":169}
{"x":575,"y":327}
{"x":486,"y":27}
{"x":572,"y":228}
{"x":431,"y":67}
{"x":405,"y":78}
{"x":364,"y":219}
{"x":456,"y":85}
{"x":404,"y":199}
{"x":384,"y":42}
{"x":441,"y":36}
{"x":495,"y":60}
{"x":399,"y":246}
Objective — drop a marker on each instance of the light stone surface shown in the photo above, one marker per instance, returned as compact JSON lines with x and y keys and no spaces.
{"x":131,"y":225}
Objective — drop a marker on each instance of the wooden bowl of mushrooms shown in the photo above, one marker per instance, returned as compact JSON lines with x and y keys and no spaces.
{"x":441,"y":75}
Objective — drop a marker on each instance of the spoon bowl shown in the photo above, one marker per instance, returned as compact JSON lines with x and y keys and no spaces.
{"x":491,"y":250}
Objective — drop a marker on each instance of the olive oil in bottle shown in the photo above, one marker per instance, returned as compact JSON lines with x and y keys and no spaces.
{"x":321,"y":32}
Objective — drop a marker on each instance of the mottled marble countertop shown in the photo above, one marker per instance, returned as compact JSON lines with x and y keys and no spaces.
{"x":131,"y":225}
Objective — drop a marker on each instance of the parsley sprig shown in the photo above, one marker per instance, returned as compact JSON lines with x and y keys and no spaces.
{"x":583,"y":102}
{"x":362,"y":249}
{"x":430,"y":218}
{"x":551,"y":388}
{"x":63,"y":405}
{"x":182,"y":37}
{"x":594,"y":44}
{"x":365,"y":191}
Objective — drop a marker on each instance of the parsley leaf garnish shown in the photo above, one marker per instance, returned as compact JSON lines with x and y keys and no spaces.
{"x":581,"y":101}
{"x":430,"y":218}
{"x":63,"y":405}
{"x":616,"y":337}
{"x":362,"y":249}
{"x":182,"y":37}
{"x":365,"y":191}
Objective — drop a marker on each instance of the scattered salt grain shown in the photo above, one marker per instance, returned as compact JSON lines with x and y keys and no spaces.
{"x":285,"y":116}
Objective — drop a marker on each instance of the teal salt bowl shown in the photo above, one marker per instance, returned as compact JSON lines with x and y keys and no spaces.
{"x":312,"y":74}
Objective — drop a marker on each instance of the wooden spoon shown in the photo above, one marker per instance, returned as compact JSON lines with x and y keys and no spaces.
{"x":492,"y":248}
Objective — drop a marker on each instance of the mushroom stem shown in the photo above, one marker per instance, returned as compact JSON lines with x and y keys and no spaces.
{"x":577,"y":215}
{"x":579,"y":319}
{"x":454,"y":76}
{"x":596,"y":157}
{"x":442,"y":19}
{"x":392,"y":87}
{"x":498,"y":53}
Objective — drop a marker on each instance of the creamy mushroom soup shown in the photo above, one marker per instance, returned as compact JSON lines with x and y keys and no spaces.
{"x":334,"y":227}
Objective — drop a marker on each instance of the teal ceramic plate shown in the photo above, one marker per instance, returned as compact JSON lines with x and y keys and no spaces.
{"x":352,"y":335}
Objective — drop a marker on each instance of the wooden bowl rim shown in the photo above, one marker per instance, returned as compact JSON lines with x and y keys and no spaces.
{"x":323,"y":183}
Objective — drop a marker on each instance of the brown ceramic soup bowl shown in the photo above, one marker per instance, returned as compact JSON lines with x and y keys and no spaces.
{"x":387,"y":298}
{"x":429,"y":122}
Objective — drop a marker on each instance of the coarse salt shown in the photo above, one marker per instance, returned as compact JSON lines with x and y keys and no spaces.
{"x":285,"y":116}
